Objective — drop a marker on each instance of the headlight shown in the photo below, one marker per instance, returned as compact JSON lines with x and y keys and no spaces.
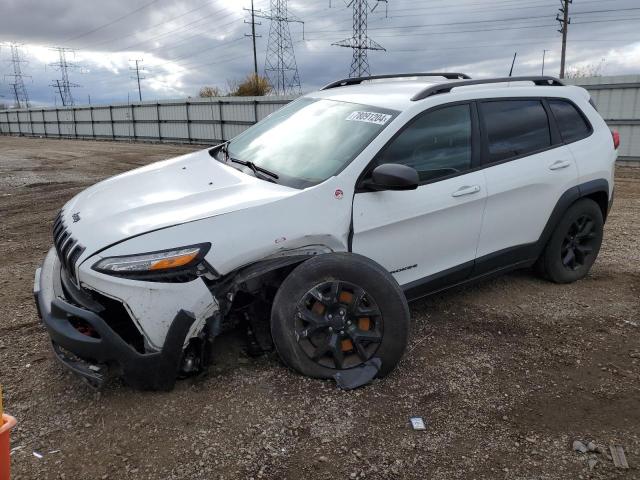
{"x":178,"y":264}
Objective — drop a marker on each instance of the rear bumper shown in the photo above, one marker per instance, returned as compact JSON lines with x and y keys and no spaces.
{"x":96,"y":357}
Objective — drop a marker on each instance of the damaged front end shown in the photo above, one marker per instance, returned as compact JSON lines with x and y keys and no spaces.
{"x":97,"y":337}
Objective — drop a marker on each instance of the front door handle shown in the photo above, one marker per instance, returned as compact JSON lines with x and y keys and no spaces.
{"x":557,"y":165}
{"x":466,"y":190}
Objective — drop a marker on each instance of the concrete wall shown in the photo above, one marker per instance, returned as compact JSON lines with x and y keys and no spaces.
{"x":190,"y":121}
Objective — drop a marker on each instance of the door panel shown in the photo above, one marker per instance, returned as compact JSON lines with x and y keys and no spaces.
{"x":535,"y":169}
{"x":421,"y":232}
{"x":521,"y":195}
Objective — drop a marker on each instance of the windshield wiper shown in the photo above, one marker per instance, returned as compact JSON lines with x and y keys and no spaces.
{"x":255,"y":168}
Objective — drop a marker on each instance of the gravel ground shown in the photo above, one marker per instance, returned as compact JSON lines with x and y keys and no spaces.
{"x":506,"y":373}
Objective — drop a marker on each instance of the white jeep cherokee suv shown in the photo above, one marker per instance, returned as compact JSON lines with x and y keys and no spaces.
{"x":314,"y":227}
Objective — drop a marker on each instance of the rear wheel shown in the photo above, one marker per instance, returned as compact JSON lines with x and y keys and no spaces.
{"x":337,"y":311}
{"x":574,"y":244}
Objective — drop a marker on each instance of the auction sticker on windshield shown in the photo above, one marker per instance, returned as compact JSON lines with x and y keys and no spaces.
{"x":369,"y":117}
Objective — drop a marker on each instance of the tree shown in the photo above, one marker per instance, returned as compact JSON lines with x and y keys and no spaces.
{"x":252,"y":86}
{"x":587,"y":70}
{"x":207,"y":92}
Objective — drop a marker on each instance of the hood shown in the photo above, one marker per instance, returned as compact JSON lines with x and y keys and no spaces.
{"x":163,"y":194}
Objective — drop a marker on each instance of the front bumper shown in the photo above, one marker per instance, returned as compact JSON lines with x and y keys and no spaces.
{"x":95,"y":357}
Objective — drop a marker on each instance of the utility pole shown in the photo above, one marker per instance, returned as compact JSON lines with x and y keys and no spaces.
{"x":544,"y":54}
{"x":63,"y":85}
{"x":253,"y":35}
{"x":19,"y":90}
{"x":513,"y":63}
{"x":280,"y":65}
{"x":564,"y":27}
{"x":137,"y":69}
{"x":359,"y":41}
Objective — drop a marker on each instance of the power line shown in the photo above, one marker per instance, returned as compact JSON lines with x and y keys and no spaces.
{"x":137,"y":32}
{"x":360,"y":42}
{"x":280,"y":66}
{"x":111,"y":22}
{"x":518,"y":27}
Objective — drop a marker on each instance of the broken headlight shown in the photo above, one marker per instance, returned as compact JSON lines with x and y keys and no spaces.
{"x":176,"y":265}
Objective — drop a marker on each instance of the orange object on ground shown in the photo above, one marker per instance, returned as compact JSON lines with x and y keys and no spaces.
{"x":8,"y":422}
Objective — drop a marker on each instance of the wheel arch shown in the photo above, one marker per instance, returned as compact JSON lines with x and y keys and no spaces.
{"x":256,"y":271}
{"x":598,"y":191}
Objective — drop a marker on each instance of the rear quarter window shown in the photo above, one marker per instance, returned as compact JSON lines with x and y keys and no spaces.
{"x":571,"y":123}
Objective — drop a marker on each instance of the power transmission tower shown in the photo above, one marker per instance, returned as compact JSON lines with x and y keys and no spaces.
{"x":253,"y":35}
{"x":280,"y":64}
{"x":63,"y":85}
{"x":137,"y":77}
{"x":18,"y":89}
{"x":564,"y":27}
{"x":360,"y":41}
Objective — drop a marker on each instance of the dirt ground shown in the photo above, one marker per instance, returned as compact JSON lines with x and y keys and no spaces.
{"x":506,"y":373}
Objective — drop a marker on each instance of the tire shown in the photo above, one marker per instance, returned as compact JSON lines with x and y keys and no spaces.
{"x":343,"y":309}
{"x":574,"y":244}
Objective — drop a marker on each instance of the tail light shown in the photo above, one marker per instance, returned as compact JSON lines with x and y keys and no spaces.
{"x":616,"y":139}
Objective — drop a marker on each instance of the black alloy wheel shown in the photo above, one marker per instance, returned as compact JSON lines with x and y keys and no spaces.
{"x":580,"y":242}
{"x":338,"y":325}
{"x":339,"y":311}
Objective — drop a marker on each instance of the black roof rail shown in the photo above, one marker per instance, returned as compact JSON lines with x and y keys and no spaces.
{"x":446,"y":87}
{"x":359,"y":80}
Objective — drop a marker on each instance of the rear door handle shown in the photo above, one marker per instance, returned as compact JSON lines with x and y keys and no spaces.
{"x":466,"y":190}
{"x":557,"y":165}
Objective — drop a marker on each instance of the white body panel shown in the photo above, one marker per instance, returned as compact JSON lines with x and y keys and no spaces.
{"x":163,"y":194}
{"x":521,"y":194}
{"x":423,"y":231}
{"x":594,"y":156}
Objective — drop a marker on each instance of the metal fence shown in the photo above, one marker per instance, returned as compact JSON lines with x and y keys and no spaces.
{"x":218,"y":119}
{"x":190,"y":121}
{"x":618,"y":101}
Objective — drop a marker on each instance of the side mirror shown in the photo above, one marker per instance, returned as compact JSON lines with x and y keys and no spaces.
{"x":393,"y":176}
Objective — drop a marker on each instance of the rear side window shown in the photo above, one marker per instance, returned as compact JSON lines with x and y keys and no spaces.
{"x":437,"y":144}
{"x":515,"y":128}
{"x":572,"y":125}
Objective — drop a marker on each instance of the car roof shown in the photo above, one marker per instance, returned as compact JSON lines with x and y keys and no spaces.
{"x":401,"y":93}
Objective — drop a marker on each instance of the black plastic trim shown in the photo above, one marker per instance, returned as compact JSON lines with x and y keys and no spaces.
{"x":358,"y":80}
{"x":149,"y":371}
{"x":447,"y":87}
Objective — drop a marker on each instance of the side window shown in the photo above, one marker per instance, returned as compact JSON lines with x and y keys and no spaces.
{"x":437,"y":144}
{"x":571,"y":123}
{"x":515,"y":127}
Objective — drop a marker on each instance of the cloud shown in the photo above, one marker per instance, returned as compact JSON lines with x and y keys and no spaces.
{"x":186,"y":44}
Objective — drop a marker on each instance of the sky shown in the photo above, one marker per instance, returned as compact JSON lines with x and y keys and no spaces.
{"x":187,"y":44}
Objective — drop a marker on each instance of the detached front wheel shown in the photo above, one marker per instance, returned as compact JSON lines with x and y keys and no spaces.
{"x":337,"y":311}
